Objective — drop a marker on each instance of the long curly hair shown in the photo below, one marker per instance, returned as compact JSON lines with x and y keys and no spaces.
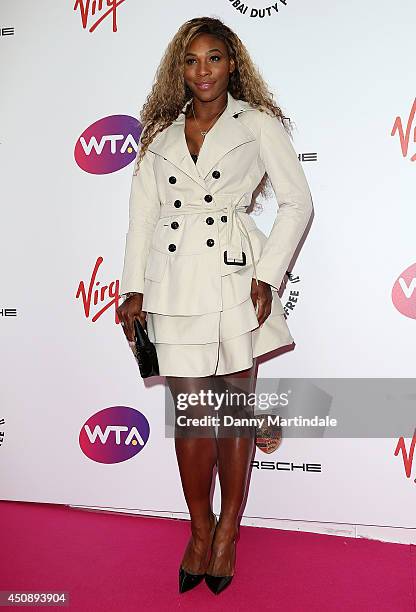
{"x":170,"y":93}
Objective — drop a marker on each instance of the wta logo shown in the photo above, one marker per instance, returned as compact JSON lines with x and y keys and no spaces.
{"x":114,"y":434}
{"x":108,"y":145}
{"x":403,"y":293}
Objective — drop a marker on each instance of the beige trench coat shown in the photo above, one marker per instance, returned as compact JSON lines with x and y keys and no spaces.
{"x":191,"y":248}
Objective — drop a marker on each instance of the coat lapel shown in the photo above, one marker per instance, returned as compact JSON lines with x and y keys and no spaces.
{"x":226,"y":134}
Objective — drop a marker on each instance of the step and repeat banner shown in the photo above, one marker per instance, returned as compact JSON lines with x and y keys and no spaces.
{"x":78,"y":425}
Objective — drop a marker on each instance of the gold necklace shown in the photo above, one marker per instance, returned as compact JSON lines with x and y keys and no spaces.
{"x":205,"y":132}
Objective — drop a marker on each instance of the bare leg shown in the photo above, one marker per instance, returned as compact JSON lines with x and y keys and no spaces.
{"x":196,"y":452}
{"x":235,"y":451}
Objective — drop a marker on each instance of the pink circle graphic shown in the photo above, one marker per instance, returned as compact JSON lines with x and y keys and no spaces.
{"x":403,"y":293}
{"x":114,"y":434}
{"x":108,"y":145}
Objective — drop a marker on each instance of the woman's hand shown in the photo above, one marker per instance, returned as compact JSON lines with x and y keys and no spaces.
{"x":131,"y":309}
{"x":261,"y":295}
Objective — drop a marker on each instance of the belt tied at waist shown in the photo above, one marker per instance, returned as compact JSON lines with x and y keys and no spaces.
{"x":235,"y":226}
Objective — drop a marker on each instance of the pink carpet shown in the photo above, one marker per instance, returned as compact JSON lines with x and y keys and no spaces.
{"x":125,"y":563}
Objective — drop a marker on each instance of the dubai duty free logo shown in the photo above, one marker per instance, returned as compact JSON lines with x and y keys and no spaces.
{"x":114,"y":434}
{"x":268,"y":11}
{"x":108,"y":145}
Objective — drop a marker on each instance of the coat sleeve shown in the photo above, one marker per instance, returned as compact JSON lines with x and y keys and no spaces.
{"x":293,"y":197}
{"x":144,"y":212}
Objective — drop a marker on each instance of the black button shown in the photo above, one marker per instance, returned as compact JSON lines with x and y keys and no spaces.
{"x":174,"y":225}
{"x":216,"y":174}
{"x":209,"y":220}
{"x":235,"y":116}
{"x":208,"y":198}
{"x":177,"y":203}
{"x":210,"y":242}
{"x":172,"y":179}
{"x":224,"y":218}
{"x":172,"y":247}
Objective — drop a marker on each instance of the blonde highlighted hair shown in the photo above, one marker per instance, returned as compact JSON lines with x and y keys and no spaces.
{"x":170,"y":93}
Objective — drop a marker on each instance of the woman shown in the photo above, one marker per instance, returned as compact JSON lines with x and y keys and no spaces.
{"x":199,"y":274}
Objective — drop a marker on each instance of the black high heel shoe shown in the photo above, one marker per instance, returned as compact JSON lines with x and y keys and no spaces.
{"x":187,"y":580}
{"x":218,"y":583}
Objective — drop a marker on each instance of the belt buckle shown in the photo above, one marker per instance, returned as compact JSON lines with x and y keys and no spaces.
{"x":235,"y":262}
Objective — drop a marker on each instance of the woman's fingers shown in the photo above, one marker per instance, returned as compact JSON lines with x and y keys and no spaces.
{"x":142,"y":317}
{"x":130,"y":310}
{"x":129,"y":324}
{"x":262,"y":298}
{"x":128,"y":329}
{"x":254,"y":292}
{"x":264,"y":309}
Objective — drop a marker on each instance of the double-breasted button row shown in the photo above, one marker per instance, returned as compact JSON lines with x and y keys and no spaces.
{"x":216,"y":174}
{"x":209,"y":220}
{"x":210,"y":243}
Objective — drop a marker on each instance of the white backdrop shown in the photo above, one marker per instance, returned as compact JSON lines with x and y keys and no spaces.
{"x":341,"y":71}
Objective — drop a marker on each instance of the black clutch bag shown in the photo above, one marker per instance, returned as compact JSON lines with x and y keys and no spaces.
{"x":144,"y":351}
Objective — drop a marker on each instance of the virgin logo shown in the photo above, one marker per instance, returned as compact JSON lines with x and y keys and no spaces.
{"x":403,"y":293}
{"x":98,"y":297}
{"x":94,"y":13}
{"x":108,"y":145}
{"x":114,"y":434}
{"x":407,"y":456}
{"x":404,"y":135}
